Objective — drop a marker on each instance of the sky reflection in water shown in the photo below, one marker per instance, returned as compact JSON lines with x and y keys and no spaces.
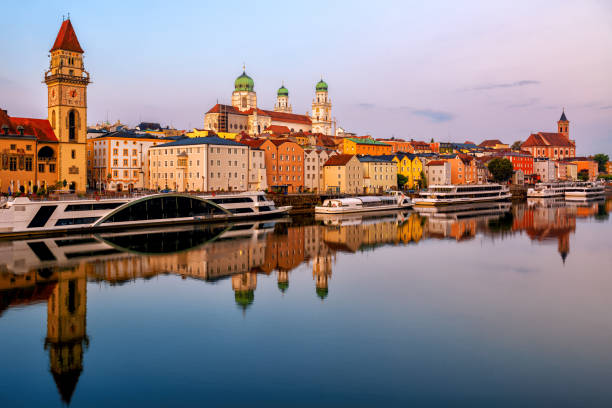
{"x":484,"y":309}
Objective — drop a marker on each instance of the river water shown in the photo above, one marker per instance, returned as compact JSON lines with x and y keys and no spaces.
{"x":501,"y":306}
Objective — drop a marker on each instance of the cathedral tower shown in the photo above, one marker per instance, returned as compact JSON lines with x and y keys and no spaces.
{"x":67,"y":83}
{"x":563,"y":125}
{"x":244,"y":96}
{"x":282,"y":100}
{"x":321,"y":110}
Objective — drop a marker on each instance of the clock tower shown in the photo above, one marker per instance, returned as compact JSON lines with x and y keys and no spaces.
{"x":67,"y":83}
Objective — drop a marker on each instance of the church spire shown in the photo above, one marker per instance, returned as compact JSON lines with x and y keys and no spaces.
{"x":66,"y":39}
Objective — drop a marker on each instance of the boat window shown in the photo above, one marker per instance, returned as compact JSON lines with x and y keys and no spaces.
{"x":77,"y":221}
{"x":76,"y":241}
{"x":159,"y":208}
{"x":92,"y":207}
{"x":262,"y":198}
{"x":232,"y":200}
{"x":241,"y":210}
{"x":42,"y":216}
{"x":266,"y":208}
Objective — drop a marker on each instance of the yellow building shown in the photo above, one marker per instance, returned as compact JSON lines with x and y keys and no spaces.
{"x":410,"y":166}
{"x":379,"y":174}
{"x":343,"y":173}
{"x":67,"y":83}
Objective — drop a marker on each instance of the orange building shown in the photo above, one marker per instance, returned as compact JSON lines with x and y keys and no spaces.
{"x":464,"y":169}
{"x":284,"y":163}
{"x":365,"y":146}
{"x":586,"y":164}
{"x":552,"y":145}
{"x":397,"y":145}
{"x":28,"y":149}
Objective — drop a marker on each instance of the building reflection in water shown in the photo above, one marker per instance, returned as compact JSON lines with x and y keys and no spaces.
{"x":57,"y":270}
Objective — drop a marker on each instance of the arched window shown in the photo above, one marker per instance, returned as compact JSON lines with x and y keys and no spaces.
{"x":53,"y":119}
{"x":72,"y":128}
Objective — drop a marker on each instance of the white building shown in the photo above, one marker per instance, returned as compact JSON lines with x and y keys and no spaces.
{"x":118,"y":160}
{"x":258,"y":180}
{"x":200,"y":164}
{"x":313,"y":169}
{"x":438,"y":172}
{"x":545,"y":169}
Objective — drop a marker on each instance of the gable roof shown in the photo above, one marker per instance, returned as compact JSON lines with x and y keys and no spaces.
{"x":218,"y":108}
{"x":66,"y":39}
{"x":253,"y":143}
{"x":544,"y":139}
{"x":490,"y":143}
{"x":436,"y":163}
{"x":339,"y":160}
{"x":277,"y":129}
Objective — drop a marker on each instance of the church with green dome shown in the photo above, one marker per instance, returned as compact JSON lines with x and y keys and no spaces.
{"x":243,"y":115}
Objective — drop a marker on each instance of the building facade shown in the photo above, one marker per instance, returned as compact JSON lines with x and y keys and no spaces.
{"x":545,"y":169}
{"x":438,"y":172}
{"x":379,"y":174}
{"x":199,"y":164}
{"x":343,"y":173}
{"x":365,"y":146}
{"x":118,"y":161}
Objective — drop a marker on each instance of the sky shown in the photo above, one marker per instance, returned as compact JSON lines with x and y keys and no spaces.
{"x":447,"y":70}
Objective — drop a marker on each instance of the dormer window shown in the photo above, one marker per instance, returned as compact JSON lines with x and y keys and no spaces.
{"x":5,"y":129}
{"x":20,"y":130}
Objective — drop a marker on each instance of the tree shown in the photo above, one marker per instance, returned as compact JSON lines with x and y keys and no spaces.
{"x":583,"y":175}
{"x":423,"y":180}
{"x":601,"y":160}
{"x":432,"y":140}
{"x":516,"y":145}
{"x":401,"y":180}
{"x":501,"y":169}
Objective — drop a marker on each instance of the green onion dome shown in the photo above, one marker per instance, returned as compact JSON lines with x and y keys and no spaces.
{"x":244,"y":83}
{"x":321,"y":86}
{"x":322,"y":292}
{"x":282,"y":91}
{"x":244,"y":298}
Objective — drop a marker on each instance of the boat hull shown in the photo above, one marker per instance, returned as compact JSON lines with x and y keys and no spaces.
{"x":440,"y":202}
{"x":347,"y":210}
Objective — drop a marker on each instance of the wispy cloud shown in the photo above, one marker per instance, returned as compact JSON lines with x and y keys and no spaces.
{"x":485,"y":87}
{"x":524,"y":104}
{"x":606,"y":107}
{"x":433,"y":115}
{"x":365,"y":105}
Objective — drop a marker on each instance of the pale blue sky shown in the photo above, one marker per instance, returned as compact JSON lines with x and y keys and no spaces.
{"x":443,"y":69}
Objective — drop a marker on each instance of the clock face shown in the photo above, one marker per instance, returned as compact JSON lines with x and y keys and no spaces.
{"x":53,"y":96}
{"x":73,"y":96}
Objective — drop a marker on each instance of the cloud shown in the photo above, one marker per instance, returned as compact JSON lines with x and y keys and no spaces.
{"x":524,"y":82}
{"x":606,"y":107}
{"x":523,"y":104}
{"x":434,"y":116}
{"x":365,"y":105}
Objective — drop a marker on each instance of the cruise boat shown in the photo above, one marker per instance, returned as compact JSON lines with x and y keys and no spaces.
{"x":364,"y":204}
{"x":585,"y":190}
{"x":547,"y":190}
{"x":440,"y":195}
{"x":22,"y":216}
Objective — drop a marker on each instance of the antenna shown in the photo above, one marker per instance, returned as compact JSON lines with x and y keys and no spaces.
{"x":68,"y":16}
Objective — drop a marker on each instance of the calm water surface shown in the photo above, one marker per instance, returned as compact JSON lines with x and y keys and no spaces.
{"x":504,"y":306}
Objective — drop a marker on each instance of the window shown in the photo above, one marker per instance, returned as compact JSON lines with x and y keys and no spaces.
{"x":41,"y":168}
{"x":13,"y":164}
{"x":29,"y":147}
{"x":115,"y":151}
{"x":115,"y":173}
{"x":52,"y":168}
{"x":73,"y":154}
{"x":134,"y":152}
{"x":125,"y":162}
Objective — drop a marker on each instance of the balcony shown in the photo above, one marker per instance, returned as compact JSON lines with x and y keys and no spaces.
{"x":83,"y":80}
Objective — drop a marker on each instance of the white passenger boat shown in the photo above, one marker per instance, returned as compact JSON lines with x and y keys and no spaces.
{"x":364,"y":204}
{"x":585,"y":190}
{"x":547,"y":190}
{"x":440,"y":195}
{"x":22,"y":216}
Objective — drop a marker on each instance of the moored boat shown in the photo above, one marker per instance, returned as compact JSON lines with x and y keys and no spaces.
{"x":364,"y":204}
{"x":22,"y":216}
{"x":547,"y":190}
{"x":585,"y":190}
{"x":440,"y":195}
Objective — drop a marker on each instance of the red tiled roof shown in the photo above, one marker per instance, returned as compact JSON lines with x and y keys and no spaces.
{"x":339,"y":160}
{"x":490,"y":143}
{"x":66,"y":39}
{"x":279,"y":130}
{"x":542,"y":139}
{"x":253,"y":143}
{"x":225,"y":108}
{"x":39,"y":128}
{"x":436,"y":163}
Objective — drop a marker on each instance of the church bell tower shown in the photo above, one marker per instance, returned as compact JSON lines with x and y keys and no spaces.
{"x":67,"y":83}
{"x":563,"y":125}
{"x":321,"y":110}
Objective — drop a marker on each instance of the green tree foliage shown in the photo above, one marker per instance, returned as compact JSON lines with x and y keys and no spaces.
{"x":501,"y":169}
{"x":423,"y":180}
{"x":516,"y":145}
{"x":401,"y":180}
{"x":601,"y":160}
{"x":583,"y":175}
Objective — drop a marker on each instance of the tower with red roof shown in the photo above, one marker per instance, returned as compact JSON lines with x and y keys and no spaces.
{"x":67,"y":82}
